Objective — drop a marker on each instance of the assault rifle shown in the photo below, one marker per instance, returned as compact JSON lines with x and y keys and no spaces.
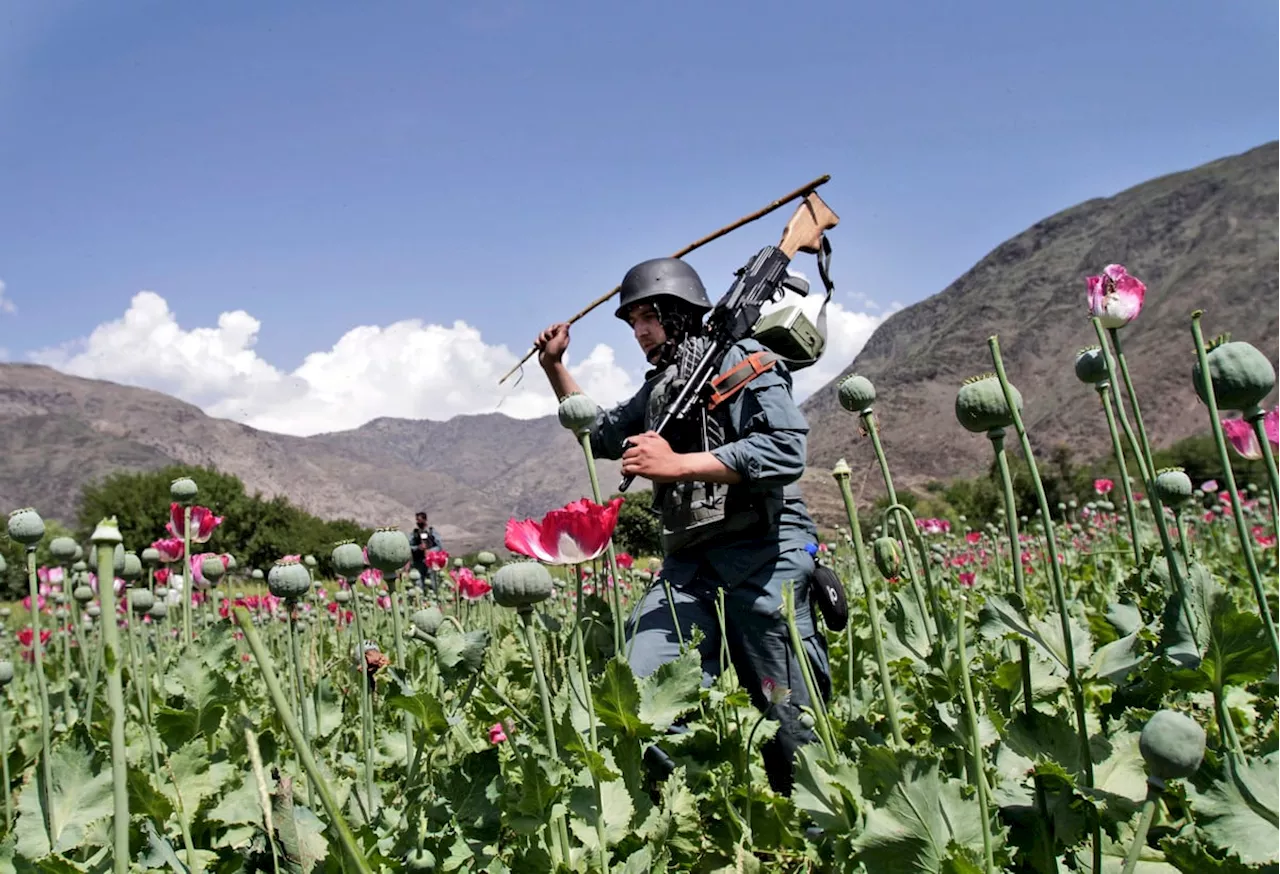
{"x":737,"y":314}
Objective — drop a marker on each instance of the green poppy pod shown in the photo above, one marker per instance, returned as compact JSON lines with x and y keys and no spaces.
{"x":159,"y":610}
{"x":83,"y":594}
{"x":289,"y":579}
{"x":231,"y":562}
{"x":141,"y":601}
{"x":80,"y":568}
{"x":26,"y":526}
{"x":421,"y":860}
{"x":63,"y":550}
{"x":4,"y":565}
{"x":256,"y":574}
{"x":1091,"y":366}
{"x":389,"y":550}
{"x":856,"y":393}
{"x":457,"y":562}
{"x":150,"y":557}
{"x":107,"y":532}
{"x":347,"y":559}
{"x":183,"y":490}
{"x":6,"y":673}
{"x":1172,"y":486}
{"x":132,"y":567}
{"x":887,"y":556}
{"x":521,"y":584}
{"x":117,"y":560}
{"x":309,"y":560}
{"x":980,"y":404}
{"x":1241,"y":376}
{"x":1172,"y":744}
{"x":577,"y":412}
{"x":212,"y":568}
{"x":428,"y":620}
{"x":487,"y":558}
{"x":342,"y":596}
{"x":162,"y":591}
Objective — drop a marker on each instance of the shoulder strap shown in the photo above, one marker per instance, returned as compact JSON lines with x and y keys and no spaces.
{"x":732,"y":381}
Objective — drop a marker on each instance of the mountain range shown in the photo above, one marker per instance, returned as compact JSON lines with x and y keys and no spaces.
{"x":1201,"y":239}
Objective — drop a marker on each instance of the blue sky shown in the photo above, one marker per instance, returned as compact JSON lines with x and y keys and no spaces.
{"x":304,"y":179}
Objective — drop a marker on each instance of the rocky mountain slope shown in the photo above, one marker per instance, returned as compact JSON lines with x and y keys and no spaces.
{"x":1205,"y":238}
{"x":472,"y":473}
{"x":1202,"y":239}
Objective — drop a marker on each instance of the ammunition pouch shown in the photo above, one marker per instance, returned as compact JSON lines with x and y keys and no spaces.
{"x":694,"y":513}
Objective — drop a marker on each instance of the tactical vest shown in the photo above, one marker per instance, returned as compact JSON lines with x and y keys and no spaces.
{"x":694,"y":513}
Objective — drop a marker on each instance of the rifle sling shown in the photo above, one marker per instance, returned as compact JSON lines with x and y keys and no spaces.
{"x":727,"y":384}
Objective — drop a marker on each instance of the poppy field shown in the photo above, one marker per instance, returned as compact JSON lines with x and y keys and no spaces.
{"x":1092,"y":688}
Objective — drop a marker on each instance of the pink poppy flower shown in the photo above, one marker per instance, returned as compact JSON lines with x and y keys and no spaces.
{"x":170,"y":549}
{"x":469,"y":585}
{"x":1239,"y":434}
{"x":1115,"y":297}
{"x":1103,"y":486}
{"x":575,"y":533}
{"x":203,"y":523}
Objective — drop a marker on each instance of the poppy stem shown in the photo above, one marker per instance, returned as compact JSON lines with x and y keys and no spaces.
{"x":615,"y":590}
{"x":1059,"y":591}
{"x":930,"y":622}
{"x":873,"y":613}
{"x":1104,"y":395}
{"x":1242,"y":529}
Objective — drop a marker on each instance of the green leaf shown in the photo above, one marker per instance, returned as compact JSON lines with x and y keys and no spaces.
{"x":80,"y":795}
{"x":197,"y":678}
{"x":1001,"y":615}
{"x":617,"y":700}
{"x":671,"y":691}
{"x":1115,"y":660}
{"x":615,"y":810}
{"x":194,"y":779}
{"x":425,"y":709}
{"x":241,"y":805}
{"x":474,"y":790}
{"x":827,"y":793}
{"x":299,"y":833}
{"x":1237,"y":814}
{"x":906,"y":636}
{"x":920,"y":824}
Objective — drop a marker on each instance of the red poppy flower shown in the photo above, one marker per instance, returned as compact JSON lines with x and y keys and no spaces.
{"x":575,"y":533}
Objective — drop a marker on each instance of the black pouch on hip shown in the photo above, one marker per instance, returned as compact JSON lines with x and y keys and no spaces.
{"x":827,"y":591}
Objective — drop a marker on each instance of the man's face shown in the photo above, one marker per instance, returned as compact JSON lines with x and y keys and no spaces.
{"x":646,"y":327}
{"x":422,"y":521}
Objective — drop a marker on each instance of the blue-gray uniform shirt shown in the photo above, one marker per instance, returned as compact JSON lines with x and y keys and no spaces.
{"x":766,"y":446}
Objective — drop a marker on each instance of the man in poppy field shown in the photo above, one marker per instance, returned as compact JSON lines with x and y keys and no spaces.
{"x":732,"y":514}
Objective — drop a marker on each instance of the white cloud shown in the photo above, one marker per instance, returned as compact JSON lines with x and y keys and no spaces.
{"x":6,"y":305}
{"x":406,"y":369}
{"x":847,"y":333}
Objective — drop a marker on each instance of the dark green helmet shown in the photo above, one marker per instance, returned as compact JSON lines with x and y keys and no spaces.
{"x":662,"y":277}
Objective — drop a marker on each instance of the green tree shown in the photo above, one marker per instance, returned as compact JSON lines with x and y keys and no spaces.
{"x":256,"y":530}
{"x":639,"y":531}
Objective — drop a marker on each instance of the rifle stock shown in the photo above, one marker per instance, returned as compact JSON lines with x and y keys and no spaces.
{"x":808,"y":223}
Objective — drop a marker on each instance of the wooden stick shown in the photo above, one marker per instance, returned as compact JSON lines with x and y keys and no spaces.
{"x":760,"y":213}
